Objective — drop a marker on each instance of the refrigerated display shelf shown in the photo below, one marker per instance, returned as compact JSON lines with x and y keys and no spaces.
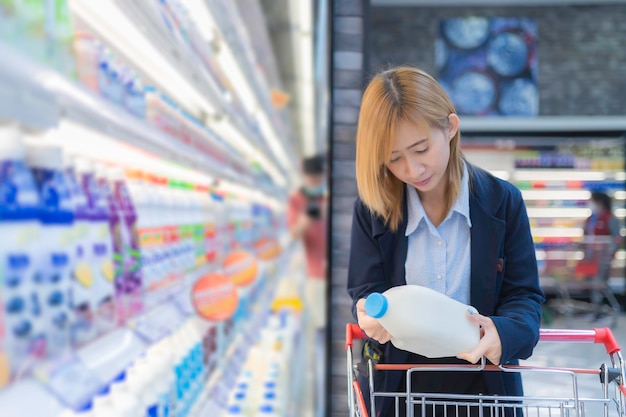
{"x":38,"y":97}
{"x":180,"y":55}
{"x":521,"y":126}
{"x":184,"y":59}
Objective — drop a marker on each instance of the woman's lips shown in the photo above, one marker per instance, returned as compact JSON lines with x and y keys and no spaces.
{"x":422,"y":183}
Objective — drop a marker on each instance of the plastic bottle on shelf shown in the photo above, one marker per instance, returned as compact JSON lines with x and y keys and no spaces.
{"x":100,"y":247}
{"x":54,"y":277}
{"x":86,"y":48}
{"x":133,"y":95}
{"x":152,"y":392}
{"x":123,"y":403}
{"x":159,"y":214}
{"x":208,"y":218}
{"x":131,"y":284}
{"x":407,"y":313}
{"x":109,"y":80}
{"x":119,"y":242}
{"x":85,"y":265}
{"x":170,"y":222}
{"x":19,"y":254}
{"x":200,"y":224}
{"x":140,"y":194}
{"x":135,"y":385}
{"x":158,"y":357}
{"x":101,"y":405}
{"x":185,"y":221}
{"x":220,"y":225}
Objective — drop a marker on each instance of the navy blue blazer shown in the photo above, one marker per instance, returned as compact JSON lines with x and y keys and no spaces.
{"x":504,"y":282}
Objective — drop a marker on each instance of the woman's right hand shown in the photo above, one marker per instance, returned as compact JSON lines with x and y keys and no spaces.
{"x":370,"y":325}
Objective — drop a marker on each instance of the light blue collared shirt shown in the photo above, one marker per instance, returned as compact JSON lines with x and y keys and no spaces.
{"x":440,"y":257}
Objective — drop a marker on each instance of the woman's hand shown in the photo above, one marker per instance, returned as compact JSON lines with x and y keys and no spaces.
{"x":370,"y":325}
{"x":489,"y":345}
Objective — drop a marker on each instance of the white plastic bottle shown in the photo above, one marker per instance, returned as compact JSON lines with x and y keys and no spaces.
{"x":160,"y":361}
{"x":124,"y":404}
{"x":424,"y":321}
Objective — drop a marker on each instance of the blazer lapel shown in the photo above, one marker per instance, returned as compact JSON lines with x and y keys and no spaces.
{"x":487,"y":236}
{"x":393,"y":247}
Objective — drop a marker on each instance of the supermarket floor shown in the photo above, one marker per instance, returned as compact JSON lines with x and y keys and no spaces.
{"x":576,"y":355}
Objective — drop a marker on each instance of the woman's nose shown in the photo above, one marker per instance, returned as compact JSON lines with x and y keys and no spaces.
{"x":415,"y":169}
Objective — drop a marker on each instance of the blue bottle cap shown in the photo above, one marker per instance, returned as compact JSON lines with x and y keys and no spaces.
{"x":266,"y":408}
{"x":376,"y":305}
{"x":234,"y":409}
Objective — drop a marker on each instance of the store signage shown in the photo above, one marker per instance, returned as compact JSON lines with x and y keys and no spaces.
{"x":267,"y":248}
{"x":214,"y":297}
{"x":241,"y":267}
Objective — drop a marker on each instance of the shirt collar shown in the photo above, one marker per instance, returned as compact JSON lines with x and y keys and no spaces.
{"x":416,"y":211}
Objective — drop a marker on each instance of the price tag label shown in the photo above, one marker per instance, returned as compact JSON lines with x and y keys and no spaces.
{"x":241,"y":267}
{"x":214,"y":297}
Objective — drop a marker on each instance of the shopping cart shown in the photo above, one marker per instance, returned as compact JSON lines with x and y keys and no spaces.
{"x":578,"y":274}
{"x":610,"y":403}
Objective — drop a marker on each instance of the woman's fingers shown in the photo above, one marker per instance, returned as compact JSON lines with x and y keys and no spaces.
{"x":475,"y":354}
{"x":370,"y":325}
{"x":489,"y":346}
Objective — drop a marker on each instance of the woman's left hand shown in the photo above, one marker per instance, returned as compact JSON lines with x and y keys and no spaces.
{"x":489,"y":345}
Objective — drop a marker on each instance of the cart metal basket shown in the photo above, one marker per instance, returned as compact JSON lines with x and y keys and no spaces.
{"x":580,"y":271}
{"x":610,"y":400}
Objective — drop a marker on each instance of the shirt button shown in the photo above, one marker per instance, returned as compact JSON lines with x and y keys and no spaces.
{"x":438,"y":276}
{"x":439,"y":242}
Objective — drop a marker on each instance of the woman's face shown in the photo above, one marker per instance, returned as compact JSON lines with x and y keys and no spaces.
{"x":419,"y":155}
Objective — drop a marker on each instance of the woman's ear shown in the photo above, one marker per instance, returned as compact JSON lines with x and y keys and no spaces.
{"x":453,"y":125}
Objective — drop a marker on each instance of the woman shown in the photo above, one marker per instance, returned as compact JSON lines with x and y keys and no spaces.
{"x":426,"y":216}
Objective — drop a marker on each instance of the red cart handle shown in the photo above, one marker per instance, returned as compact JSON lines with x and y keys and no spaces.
{"x":353,"y":332}
{"x":601,"y":336}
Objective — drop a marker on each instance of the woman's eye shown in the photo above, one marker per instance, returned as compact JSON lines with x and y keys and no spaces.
{"x":396,"y":159}
{"x":422,"y":150}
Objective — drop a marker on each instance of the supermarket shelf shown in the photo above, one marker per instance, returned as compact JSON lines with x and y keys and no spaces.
{"x":566,"y":174}
{"x":544,"y":124}
{"x":180,"y":55}
{"x":38,"y":98}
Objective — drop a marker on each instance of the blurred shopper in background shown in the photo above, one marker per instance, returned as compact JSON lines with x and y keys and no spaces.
{"x":307,"y":216}
{"x":602,"y":238}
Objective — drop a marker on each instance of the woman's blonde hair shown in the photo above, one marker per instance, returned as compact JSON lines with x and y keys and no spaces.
{"x":402,"y":93}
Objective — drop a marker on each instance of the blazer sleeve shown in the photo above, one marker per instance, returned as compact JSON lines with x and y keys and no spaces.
{"x":365,"y":265}
{"x":518,"y":310}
